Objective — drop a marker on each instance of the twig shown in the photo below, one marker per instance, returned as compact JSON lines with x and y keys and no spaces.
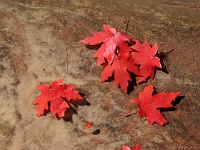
{"x":164,"y":53}
{"x":127,"y":26}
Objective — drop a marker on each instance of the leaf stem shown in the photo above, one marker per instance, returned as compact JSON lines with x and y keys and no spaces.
{"x":131,"y":113}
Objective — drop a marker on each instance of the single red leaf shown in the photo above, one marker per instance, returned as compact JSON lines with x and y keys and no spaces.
{"x":110,"y":39}
{"x":119,"y":68}
{"x":88,"y":125}
{"x":150,"y":104}
{"x":57,"y":94}
{"x":144,"y":55}
{"x":137,"y":147}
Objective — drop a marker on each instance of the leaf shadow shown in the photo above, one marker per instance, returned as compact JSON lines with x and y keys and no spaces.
{"x":73,"y":109}
{"x":96,"y":132}
{"x":93,"y":47}
{"x":164,"y":67}
{"x":162,"y":56}
{"x":68,"y":115}
{"x":132,"y":83}
{"x":82,"y":102}
{"x":110,"y":79}
{"x":45,"y":112}
{"x":177,"y":100}
{"x":174,"y":103}
{"x":167,"y":109}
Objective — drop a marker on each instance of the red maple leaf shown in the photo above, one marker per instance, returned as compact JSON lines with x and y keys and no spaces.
{"x":58,"y":95}
{"x":119,"y":68}
{"x":145,"y":57}
{"x":150,"y":105}
{"x":88,"y":124}
{"x":110,"y":39}
{"x":137,"y":147}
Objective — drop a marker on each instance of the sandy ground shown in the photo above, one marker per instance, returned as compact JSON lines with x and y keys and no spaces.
{"x":39,"y":43}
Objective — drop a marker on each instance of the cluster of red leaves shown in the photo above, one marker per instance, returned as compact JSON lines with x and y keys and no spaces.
{"x":55,"y":98}
{"x":120,"y":54}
